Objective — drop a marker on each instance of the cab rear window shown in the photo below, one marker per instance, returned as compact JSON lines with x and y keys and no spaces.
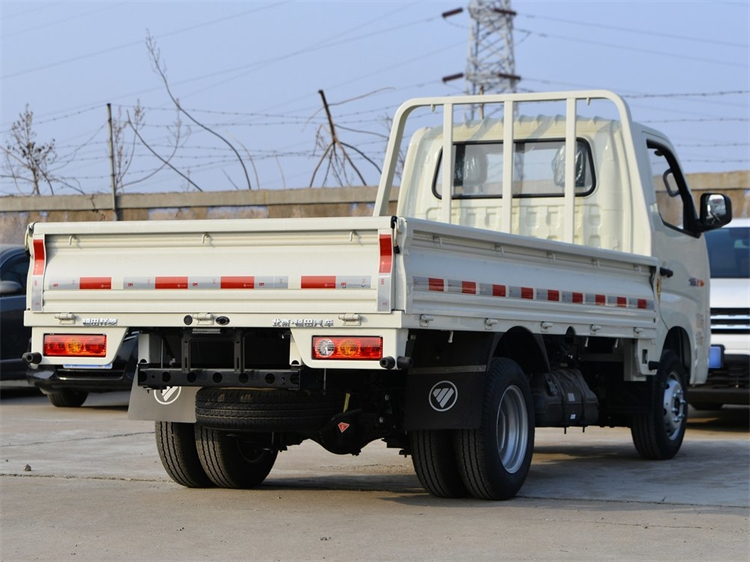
{"x":538,"y":170}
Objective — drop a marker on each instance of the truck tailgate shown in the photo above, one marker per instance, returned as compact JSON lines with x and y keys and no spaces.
{"x":276,"y":266}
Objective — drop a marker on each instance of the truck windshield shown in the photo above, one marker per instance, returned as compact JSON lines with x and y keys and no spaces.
{"x":729,"y":252}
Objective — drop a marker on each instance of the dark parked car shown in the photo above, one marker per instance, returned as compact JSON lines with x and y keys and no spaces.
{"x":69,"y":386}
{"x":14,"y":336}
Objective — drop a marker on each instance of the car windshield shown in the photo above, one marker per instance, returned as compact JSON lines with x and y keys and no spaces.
{"x":729,"y":252}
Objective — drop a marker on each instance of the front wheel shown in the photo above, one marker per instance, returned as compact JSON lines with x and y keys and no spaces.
{"x":658,"y":434}
{"x":494,"y":459}
{"x":234,"y":460}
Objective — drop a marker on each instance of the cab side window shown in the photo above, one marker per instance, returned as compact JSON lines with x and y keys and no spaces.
{"x":673,"y":198}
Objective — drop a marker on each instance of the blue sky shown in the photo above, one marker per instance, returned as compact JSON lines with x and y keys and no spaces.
{"x":252,"y":71}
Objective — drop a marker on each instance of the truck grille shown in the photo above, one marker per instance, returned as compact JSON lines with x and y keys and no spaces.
{"x":730,"y":320}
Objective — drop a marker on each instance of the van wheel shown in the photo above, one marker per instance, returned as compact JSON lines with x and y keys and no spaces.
{"x":179,"y":456}
{"x":67,"y":398}
{"x":234,"y":461}
{"x":658,"y":434}
{"x":434,"y":458}
{"x":494,"y":459}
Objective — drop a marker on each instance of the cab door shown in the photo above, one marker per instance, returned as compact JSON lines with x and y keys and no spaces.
{"x":683,"y":281}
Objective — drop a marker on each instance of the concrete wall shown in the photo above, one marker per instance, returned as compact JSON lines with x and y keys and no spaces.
{"x":17,"y":212}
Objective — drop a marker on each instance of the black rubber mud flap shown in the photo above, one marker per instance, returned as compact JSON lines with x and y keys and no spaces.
{"x":444,"y":401}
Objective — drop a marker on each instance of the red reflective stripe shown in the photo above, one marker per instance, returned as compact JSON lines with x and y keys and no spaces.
{"x":171,"y":283}
{"x":527,"y":293}
{"x":553,"y":295}
{"x":498,"y":290}
{"x":642,"y":303}
{"x":469,"y":287}
{"x":233,"y":282}
{"x":95,"y":283}
{"x":38,"y":256}
{"x":622,"y":302}
{"x":386,"y":253}
{"x":578,"y":298}
{"x":318,"y":281}
{"x":436,"y":284}
{"x":601,"y":299}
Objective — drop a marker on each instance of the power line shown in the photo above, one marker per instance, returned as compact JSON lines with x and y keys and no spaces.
{"x":59,"y":21}
{"x":634,"y":49}
{"x":139,"y":42}
{"x":660,"y":33}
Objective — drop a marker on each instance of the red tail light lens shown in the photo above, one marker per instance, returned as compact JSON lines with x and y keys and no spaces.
{"x":75,"y":345}
{"x":347,"y":347}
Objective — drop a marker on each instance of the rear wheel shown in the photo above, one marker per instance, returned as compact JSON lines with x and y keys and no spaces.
{"x":233,"y":460}
{"x":494,"y":459}
{"x":434,"y":458}
{"x":67,"y":398}
{"x":658,"y":435}
{"x":179,"y":456}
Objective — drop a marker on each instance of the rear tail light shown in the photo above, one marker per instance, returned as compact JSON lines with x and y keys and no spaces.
{"x":75,"y":345}
{"x":347,"y":347}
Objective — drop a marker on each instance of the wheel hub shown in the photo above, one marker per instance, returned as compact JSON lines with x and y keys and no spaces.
{"x":512,"y":429}
{"x":675,"y":406}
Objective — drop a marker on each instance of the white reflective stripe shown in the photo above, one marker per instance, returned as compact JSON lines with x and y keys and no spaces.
{"x":139,"y":283}
{"x":272,"y":282}
{"x":63,"y":284}
{"x":353,"y":282}
{"x":204,"y":282}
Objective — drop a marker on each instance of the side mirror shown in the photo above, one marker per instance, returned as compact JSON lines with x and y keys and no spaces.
{"x":716,"y":211}
{"x":8,"y":288}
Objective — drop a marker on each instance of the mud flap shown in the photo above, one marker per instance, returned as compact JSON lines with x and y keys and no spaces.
{"x":444,"y":401}
{"x":173,"y":404}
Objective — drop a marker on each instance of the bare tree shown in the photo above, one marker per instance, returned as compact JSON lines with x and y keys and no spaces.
{"x":27,"y":162}
{"x":160,"y":68}
{"x":123,"y":145}
{"x":334,"y":151}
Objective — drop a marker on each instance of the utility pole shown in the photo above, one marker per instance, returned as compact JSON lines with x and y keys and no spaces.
{"x":490,"y":64}
{"x":112,"y":161}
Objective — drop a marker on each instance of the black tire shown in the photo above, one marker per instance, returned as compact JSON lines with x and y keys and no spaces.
{"x":265,"y":410}
{"x":179,"y":456}
{"x":67,"y":398}
{"x":434,"y":457}
{"x":494,"y":459}
{"x":233,"y":461}
{"x":658,"y":434}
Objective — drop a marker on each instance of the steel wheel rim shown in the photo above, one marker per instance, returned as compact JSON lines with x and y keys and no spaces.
{"x":675,"y":406}
{"x":512,"y":429}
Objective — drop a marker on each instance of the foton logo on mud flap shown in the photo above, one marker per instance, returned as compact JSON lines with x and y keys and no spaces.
{"x":443,"y":396}
{"x":167,"y":395}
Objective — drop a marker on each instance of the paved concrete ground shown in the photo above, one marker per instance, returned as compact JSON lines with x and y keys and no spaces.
{"x":87,"y":484}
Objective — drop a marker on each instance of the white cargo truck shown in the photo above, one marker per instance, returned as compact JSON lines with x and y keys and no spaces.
{"x":542,"y":269}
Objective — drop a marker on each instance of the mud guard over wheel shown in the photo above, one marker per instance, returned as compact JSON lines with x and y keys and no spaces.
{"x":179,"y":456}
{"x":494,"y":459}
{"x":434,"y":458}
{"x":658,"y":434}
{"x":231,"y":460}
